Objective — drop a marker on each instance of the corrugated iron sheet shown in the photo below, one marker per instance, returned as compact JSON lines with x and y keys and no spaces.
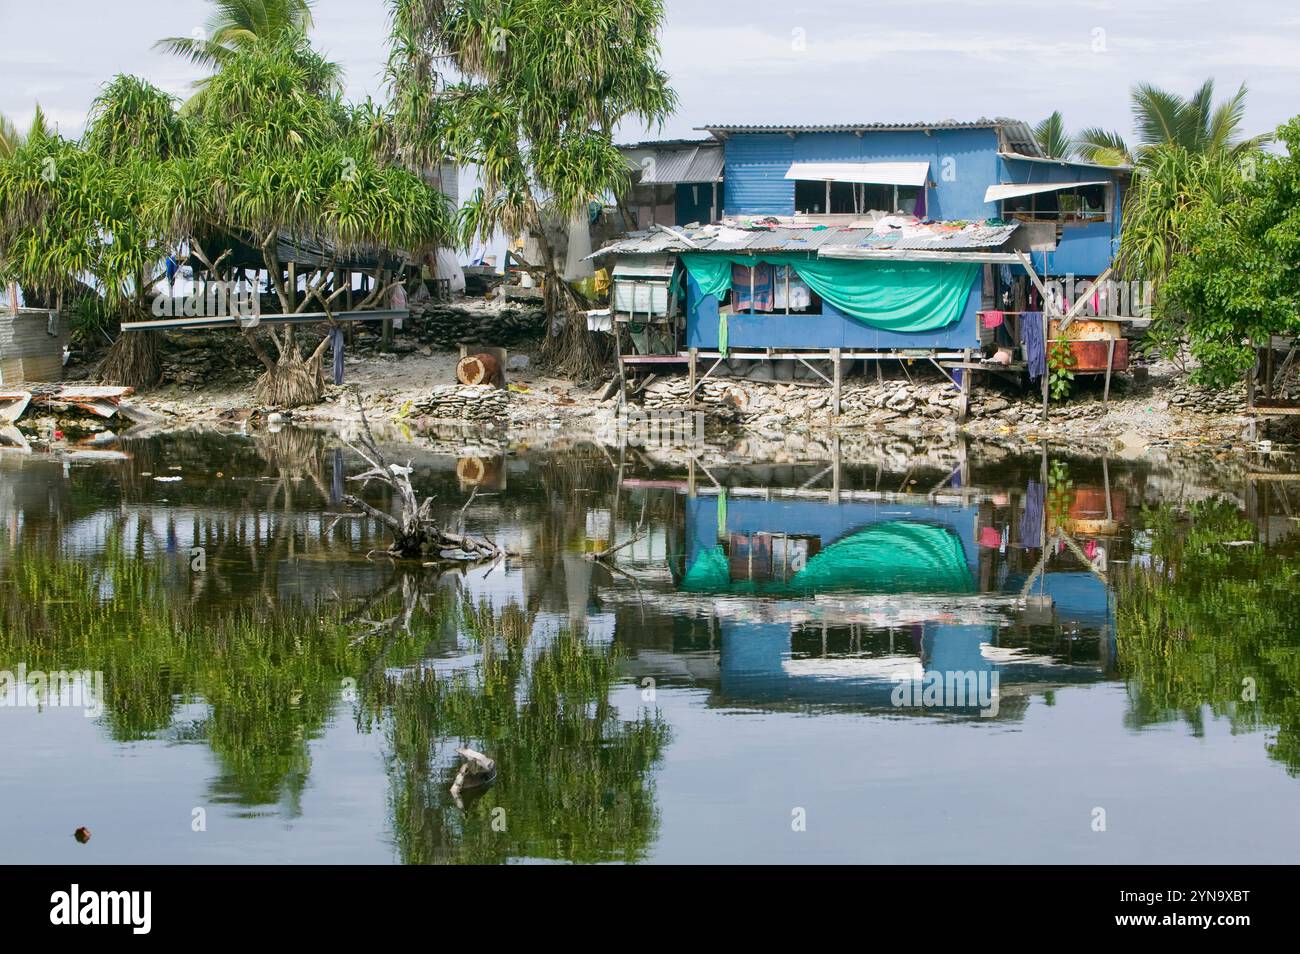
{"x":733,"y":237}
{"x":673,"y":166}
{"x":1017,"y":132}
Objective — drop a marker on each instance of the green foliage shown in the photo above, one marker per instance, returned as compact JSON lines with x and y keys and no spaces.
{"x":574,"y":781}
{"x":1061,"y":363}
{"x":542,"y":85}
{"x":1052,"y":137}
{"x":1206,"y":624}
{"x":1238,"y":277}
{"x":236,"y":25}
{"x":71,"y":210}
{"x":275,"y":148}
{"x":1106,"y":148}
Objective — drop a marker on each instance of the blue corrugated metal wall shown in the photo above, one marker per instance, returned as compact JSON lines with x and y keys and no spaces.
{"x":831,"y":329}
{"x":1086,"y":249}
{"x":963,"y":163}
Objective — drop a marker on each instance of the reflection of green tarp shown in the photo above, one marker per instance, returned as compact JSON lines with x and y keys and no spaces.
{"x":896,"y":557}
{"x":892,"y":296}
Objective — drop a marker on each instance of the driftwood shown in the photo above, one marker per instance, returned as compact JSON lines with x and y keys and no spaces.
{"x":415,"y":533}
{"x":600,"y":556}
{"x":476,"y":771}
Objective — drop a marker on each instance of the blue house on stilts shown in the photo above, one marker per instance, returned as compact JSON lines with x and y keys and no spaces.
{"x":857,"y":243}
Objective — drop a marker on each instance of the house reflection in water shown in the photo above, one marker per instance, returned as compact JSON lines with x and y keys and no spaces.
{"x":862,"y":599}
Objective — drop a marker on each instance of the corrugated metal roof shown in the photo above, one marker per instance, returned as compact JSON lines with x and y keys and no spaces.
{"x":995,"y":193}
{"x":672,"y":166}
{"x":892,"y":232}
{"x":855,"y":127}
{"x":1017,"y":133}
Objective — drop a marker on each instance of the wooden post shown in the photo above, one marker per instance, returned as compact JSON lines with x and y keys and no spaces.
{"x":966,"y":372}
{"x":618,"y":354}
{"x":13,"y":298}
{"x":1251,"y":375}
{"x":838,"y":381}
{"x":1268,"y":367}
{"x":836,"y":467}
{"x":1110,"y":363}
{"x":693,"y":354}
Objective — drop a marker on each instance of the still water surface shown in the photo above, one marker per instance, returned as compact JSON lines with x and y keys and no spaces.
{"x":747,"y":683}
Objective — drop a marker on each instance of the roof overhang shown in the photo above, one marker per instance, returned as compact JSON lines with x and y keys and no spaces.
{"x":919,"y":255}
{"x":874,"y":173}
{"x":996,"y":193}
{"x":1123,"y":169}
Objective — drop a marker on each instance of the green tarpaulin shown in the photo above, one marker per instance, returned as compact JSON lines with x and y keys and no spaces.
{"x":897,"y":557}
{"x":893,"y":296}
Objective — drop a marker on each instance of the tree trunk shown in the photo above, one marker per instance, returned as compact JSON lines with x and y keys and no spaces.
{"x":134,"y":360}
{"x":292,"y":381}
{"x":568,"y":348}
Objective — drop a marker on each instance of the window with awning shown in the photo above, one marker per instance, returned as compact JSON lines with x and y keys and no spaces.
{"x":852,"y":188}
{"x":871,"y":173}
{"x":1054,"y":201}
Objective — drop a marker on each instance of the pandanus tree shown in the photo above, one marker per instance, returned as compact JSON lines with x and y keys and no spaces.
{"x":279,"y":156}
{"x":539,"y":87}
{"x":71,"y":213}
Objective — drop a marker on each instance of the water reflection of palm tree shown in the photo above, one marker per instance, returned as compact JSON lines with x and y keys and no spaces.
{"x":1205,"y":624}
{"x":574,"y":775}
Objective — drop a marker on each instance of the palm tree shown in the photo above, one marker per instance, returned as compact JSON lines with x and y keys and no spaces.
{"x":1052,"y":137}
{"x":237,"y":24}
{"x":1163,"y":118}
{"x":542,"y":85}
{"x":273,"y":155}
{"x":1103,"y":147}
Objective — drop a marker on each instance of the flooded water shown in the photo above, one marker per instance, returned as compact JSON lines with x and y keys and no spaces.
{"x":912,"y":656}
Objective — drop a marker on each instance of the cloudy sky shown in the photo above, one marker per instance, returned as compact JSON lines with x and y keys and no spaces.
{"x":767,"y":61}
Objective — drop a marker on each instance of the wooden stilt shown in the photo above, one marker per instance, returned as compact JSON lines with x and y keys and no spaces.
{"x":963,"y":407}
{"x":835,"y":469}
{"x":838,"y":381}
{"x":693,"y":356}
{"x":1110,"y":364}
{"x":622,"y":371}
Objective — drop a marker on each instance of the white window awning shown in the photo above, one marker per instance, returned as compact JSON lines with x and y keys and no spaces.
{"x":875,"y":173}
{"x":996,"y":193}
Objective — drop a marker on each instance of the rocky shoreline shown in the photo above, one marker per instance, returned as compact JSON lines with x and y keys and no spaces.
{"x":411,"y":384}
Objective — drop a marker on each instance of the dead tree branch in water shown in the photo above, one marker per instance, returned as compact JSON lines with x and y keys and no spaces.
{"x":416,"y":535}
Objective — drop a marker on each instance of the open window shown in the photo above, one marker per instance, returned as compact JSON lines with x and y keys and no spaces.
{"x":813,"y":197}
{"x":855,"y":188}
{"x":771,"y":290}
{"x":1060,"y":202}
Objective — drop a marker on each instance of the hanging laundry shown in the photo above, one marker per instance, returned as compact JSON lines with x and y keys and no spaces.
{"x":1031,"y":518}
{"x":761,"y":285}
{"x":800,"y":295}
{"x":1031,"y":340}
{"x":992,"y":319}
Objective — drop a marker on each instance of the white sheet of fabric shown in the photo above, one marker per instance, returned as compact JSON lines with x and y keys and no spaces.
{"x":449,"y":267}
{"x":800,"y":294}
